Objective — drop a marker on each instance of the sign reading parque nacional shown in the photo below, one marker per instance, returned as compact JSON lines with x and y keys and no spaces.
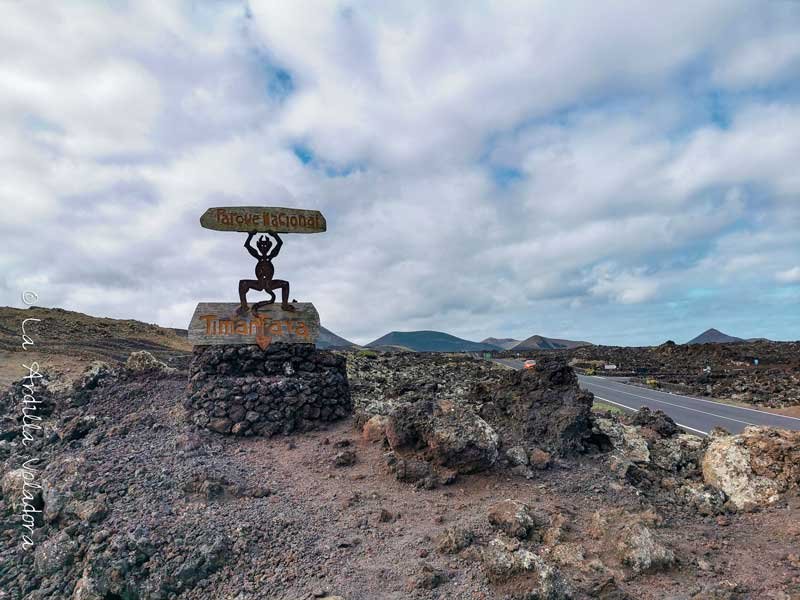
{"x":265,"y":218}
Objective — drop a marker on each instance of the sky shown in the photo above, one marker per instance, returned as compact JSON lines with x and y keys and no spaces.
{"x":623,"y":173}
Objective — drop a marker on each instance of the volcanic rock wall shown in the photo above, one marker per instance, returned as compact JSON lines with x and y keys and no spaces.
{"x":243,"y":390}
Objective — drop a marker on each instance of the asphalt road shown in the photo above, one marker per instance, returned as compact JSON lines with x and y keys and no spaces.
{"x":698,"y":415}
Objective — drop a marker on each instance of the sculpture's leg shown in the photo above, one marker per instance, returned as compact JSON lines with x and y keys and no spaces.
{"x":283,"y":286}
{"x":245,"y":285}
{"x":264,"y":285}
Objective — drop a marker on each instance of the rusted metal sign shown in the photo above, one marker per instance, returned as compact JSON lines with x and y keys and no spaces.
{"x":264,"y":218}
{"x":215,"y":323}
{"x":270,"y":221}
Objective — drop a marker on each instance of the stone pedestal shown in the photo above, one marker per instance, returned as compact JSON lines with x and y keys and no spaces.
{"x":244,"y":390}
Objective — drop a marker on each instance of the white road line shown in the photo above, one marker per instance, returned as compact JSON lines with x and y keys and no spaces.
{"x":701,"y":432}
{"x":637,"y":410}
{"x":617,"y":403}
{"x":675,"y":405}
{"x":755,"y":410}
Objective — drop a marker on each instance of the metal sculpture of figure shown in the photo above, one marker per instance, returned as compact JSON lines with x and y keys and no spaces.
{"x":264,"y":272}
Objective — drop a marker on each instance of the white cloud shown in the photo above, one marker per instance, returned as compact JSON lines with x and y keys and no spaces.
{"x":499,"y":164}
{"x":789,"y":275}
{"x":761,"y":61}
{"x":399,"y":86}
{"x":758,"y":147}
{"x":623,"y":287}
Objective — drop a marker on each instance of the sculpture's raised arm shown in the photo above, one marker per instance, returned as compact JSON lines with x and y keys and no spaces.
{"x":278,"y":245}
{"x":254,"y":253}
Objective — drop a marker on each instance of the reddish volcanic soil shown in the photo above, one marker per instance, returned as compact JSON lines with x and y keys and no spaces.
{"x":358,"y":556}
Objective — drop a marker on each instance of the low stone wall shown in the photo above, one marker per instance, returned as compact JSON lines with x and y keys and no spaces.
{"x":243,"y":390}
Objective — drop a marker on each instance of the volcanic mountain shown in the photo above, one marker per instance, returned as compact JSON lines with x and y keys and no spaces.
{"x":504,"y":343}
{"x":429,"y":341}
{"x":539,"y":342}
{"x":328,"y":340}
{"x":714,"y":336}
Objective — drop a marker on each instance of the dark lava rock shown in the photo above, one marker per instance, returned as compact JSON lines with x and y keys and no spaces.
{"x":77,"y":428}
{"x":515,"y":518}
{"x":427,"y":578}
{"x":409,"y":470}
{"x":454,"y":439}
{"x":345,"y":458}
{"x":454,"y":539}
{"x":658,"y":421}
{"x":542,"y":406}
{"x":408,"y":425}
{"x":461,"y":440}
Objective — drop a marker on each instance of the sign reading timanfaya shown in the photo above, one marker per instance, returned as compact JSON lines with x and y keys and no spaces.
{"x":261,"y":218}
{"x":215,"y":323}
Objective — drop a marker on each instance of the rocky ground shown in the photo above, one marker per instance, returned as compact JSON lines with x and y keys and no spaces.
{"x":773,"y":383}
{"x":453,"y":479}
